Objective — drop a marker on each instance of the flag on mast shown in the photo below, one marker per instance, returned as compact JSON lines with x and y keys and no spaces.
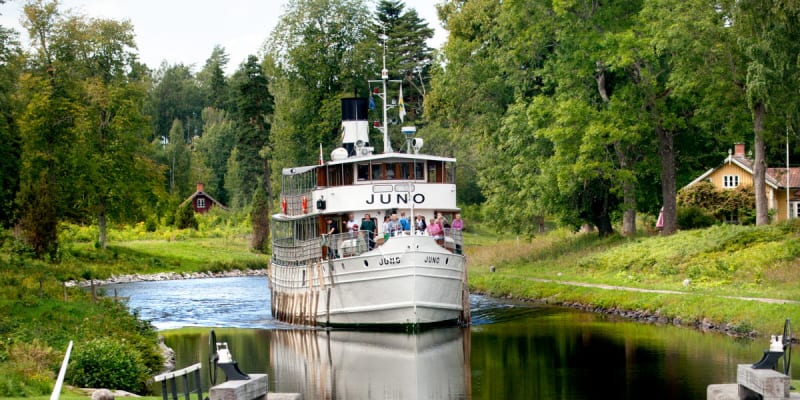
{"x":401,"y":105}
{"x":321,"y":161}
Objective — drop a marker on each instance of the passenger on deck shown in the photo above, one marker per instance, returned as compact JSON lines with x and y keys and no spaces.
{"x":458,"y":223}
{"x":394,"y":226}
{"x":404,"y":222}
{"x":420,"y":224}
{"x":333,"y":251}
{"x":436,"y":230}
{"x":385,"y":228}
{"x":368,"y":225}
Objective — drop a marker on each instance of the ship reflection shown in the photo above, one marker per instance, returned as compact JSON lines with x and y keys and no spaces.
{"x":371,"y":365}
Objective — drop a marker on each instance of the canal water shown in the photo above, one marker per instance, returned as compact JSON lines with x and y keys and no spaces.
{"x":512,"y":350}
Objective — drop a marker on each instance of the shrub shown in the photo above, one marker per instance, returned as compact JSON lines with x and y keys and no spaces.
{"x":694,"y":217}
{"x":107,"y":363}
{"x":184,"y":217}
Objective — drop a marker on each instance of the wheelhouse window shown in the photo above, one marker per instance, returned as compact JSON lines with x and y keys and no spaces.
{"x":730,"y":181}
{"x":363,"y":172}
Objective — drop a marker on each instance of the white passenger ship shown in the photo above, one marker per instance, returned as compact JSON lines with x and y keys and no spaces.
{"x":406,"y":278}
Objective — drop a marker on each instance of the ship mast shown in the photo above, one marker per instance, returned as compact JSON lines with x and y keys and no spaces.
{"x":387,"y":144}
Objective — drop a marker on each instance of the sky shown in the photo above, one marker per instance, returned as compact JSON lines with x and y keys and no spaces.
{"x":186,"y":31}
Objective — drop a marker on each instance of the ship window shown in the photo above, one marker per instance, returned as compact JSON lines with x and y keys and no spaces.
{"x":433,"y":172}
{"x":405,"y":171}
{"x":376,"y":172}
{"x":390,"y":171}
{"x":450,"y":170}
{"x":363,"y":172}
{"x":419,"y":171}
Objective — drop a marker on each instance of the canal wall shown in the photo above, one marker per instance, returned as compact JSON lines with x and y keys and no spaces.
{"x":167,"y":276}
{"x":643,"y":316}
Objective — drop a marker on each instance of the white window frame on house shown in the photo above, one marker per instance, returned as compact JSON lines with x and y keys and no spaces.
{"x":794,"y":206}
{"x":201,"y":203}
{"x":730,"y":181}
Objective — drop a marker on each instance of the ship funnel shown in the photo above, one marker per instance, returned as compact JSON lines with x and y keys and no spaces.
{"x":355,"y":127}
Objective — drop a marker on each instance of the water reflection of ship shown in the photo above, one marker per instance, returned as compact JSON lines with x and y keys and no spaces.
{"x":366,"y":365}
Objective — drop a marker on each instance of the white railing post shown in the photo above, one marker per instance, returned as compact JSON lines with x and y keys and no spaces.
{"x":61,"y":373}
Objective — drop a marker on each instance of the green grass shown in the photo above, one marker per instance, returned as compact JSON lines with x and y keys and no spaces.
{"x":719,"y":262}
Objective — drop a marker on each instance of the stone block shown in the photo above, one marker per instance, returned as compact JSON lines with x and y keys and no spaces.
{"x":767,"y":383}
{"x":723,"y":391}
{"x":254,"y":388}
{"x":284,"y":396}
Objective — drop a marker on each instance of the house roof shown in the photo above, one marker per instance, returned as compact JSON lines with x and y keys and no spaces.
{"x":199,"y":193}
{"x":775,"y":177}
{"x":779,"y":175}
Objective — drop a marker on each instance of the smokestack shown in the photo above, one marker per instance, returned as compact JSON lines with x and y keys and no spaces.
{"x":355,"y":127}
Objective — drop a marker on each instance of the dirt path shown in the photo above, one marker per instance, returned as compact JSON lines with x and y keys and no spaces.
{"x":630,"y":289}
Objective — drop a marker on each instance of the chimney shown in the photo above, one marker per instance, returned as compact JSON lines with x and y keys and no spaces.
{"x":738,"y":149}
{"x":199,"y":186}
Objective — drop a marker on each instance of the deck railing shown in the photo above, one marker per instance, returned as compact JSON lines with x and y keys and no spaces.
{"x":297,"y":252}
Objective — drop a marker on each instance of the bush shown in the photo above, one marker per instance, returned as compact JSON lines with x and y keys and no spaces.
{"x":107,"y":363}
{"x":151,"y":224}
{"x":184,"y":218}
{"x":29,"y":371}
{"x":694,"y":218}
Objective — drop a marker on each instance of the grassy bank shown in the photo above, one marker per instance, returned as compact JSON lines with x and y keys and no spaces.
{"x":713,"y":269}
{"x":39,"y":315}
{"x":707,"y":272}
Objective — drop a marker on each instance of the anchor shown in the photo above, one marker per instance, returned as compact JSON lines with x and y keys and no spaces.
{"x":780,"y":346}
{"x":219,"y":355}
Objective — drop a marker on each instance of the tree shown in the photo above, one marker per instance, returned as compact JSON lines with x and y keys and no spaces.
{"x":213,"y":150}
{"x":178,"y":159}
{"x":46,"y":123}
{"x":253,"y":110}
{"x":312,"y":59}
{"x":741,"y":56}
{"x":468,"y":99}
{"x":85,"y":131}
{"x":408,"y":57}
{"x":176,"y":94}
{"x":212,"y":79}
{"x":9,"y":131}
{"x":259,"y":218}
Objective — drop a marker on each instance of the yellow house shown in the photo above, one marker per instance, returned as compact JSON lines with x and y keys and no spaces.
{"x":737,"y":170}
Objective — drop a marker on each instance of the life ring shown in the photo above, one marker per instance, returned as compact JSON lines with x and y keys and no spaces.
{"x":305,"y":204}
{"x":283,"y":205}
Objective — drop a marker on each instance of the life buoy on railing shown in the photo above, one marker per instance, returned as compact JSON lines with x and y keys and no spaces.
{"x":305,"y":204}
{"x":283,"y":205}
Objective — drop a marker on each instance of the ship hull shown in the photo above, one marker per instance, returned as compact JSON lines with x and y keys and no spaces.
{"x":409,"y":280}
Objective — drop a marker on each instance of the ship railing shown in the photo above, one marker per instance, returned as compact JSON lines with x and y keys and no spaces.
{"x":454,"y":240}
{"x":296,"y":252}
{"x":294,"y":203}
{"x":347,"y":244}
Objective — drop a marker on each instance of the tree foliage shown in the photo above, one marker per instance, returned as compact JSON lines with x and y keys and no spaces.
{"x":589,"y":112}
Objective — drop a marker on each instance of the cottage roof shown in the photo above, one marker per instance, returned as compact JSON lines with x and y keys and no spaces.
{"x":779,"y":174}
{"x":202,"y":193}
{"x":775,"y":177}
